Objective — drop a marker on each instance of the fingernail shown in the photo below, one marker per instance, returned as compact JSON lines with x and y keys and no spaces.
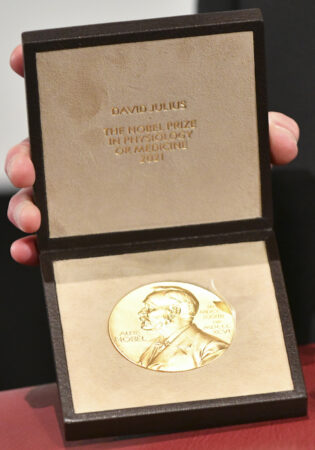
{"x":25,"y":142}
{"x":286,"y":131}
{"x":22,"y":152}
{"x":12,"y":58}
{"x":8,"y":168}
{"x":17,"y":212}
{"x":13,"y":55}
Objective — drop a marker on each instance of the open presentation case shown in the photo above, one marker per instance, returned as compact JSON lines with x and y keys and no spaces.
{"x":150,"y":144}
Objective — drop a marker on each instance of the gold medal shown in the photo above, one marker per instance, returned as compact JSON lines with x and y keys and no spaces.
{"x":171,"y":326}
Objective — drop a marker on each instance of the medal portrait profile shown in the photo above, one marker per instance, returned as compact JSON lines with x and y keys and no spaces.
{"x":171,"y":326}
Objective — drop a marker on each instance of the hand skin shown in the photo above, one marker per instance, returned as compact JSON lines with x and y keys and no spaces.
{"x":283,"y":133}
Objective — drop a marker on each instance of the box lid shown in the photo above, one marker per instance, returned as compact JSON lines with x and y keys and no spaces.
{"x":149,"y":125}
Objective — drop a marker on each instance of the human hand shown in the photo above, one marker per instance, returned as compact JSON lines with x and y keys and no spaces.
{"x":22,"y":212}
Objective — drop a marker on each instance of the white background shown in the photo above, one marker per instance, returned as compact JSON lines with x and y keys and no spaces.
{"x":17,"y":16}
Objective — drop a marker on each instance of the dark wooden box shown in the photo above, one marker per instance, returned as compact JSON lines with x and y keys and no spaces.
{"x":118,"y":212}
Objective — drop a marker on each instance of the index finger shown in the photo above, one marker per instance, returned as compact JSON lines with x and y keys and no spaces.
{"x":16,"y":60}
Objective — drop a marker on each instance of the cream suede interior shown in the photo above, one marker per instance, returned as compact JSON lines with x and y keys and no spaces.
{"x":91,"y":190}
{"x":101,"y":379}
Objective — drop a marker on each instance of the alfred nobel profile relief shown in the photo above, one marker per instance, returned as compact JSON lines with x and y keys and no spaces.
{"x":181,"y":345}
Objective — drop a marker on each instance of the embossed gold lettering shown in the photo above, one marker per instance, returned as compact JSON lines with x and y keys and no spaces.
{"x":182,"y":124}
{"x":170,"y":106}
{"x":154,"y":107}
{"x":122,"y":150}
{"x":116,"y":110}
{"x":114,"y":131}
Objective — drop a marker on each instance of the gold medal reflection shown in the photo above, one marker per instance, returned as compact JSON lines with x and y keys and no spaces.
{"x":170,"y":310}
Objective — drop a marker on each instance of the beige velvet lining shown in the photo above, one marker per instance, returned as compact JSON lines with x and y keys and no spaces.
{"x":101,"y":379}
{"x":91,"y":190}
